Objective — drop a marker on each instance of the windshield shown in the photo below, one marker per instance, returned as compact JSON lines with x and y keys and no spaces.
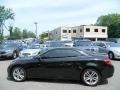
{"x":83,"y":43}
{"x":54,"y":44}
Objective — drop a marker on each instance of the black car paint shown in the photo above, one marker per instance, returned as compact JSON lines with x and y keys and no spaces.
{"x":61,"y":68}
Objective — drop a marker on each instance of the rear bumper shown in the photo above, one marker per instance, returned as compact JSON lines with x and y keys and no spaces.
{"x":108,"y":71}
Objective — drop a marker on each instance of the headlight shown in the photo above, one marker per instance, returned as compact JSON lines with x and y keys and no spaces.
{"x":12,"y":62}
{"x":117,"y":52}
{"x":20,"y":54}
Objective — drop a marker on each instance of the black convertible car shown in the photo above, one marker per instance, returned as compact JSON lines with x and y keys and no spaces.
{"x":62,"y":63}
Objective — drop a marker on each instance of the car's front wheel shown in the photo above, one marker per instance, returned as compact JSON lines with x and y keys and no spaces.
{"x":14,"y":56}
{"x":111,"y":55}
{"x":18,"y":74}
{"x":91,"y":77}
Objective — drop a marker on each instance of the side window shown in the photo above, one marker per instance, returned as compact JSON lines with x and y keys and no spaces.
{"x":70,"y":53}
{"x":98,"y":44}
{"x":61,"y":53}
{"x":52,"y":54}
{"x":101,"y":44}
{"x":94,"y":44}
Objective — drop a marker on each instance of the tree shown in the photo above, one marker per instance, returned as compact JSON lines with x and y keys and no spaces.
{"x":17,"y":34}
{"x":112,"y":21}
{"x":10,"y":31}
{"x":25,"y":34}
{"x":5,"y":14}
{"x":31,"y":34}
{"x":44,"y":36}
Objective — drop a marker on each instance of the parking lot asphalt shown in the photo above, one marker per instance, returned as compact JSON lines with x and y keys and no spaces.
{"x":6,"y":84}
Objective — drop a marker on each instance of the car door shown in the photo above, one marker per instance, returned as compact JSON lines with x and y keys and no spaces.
{"x":102,"y":48}
{"x":50,"y":64}
{"x":59,"y":64}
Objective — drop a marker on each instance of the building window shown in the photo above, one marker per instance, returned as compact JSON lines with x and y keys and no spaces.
{"x":87,"y":29}
{"x":103,"y":30}
{"x":80,"y":30}
{"x":95,"y":30}
{"x":69,"y":31}
{"x":74,"y":31}
{"x":64,"y":31}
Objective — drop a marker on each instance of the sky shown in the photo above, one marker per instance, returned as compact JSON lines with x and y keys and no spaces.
{"x":50,"y":14}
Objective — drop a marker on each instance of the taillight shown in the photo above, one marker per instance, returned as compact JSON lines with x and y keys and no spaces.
{"x":107,"y":61}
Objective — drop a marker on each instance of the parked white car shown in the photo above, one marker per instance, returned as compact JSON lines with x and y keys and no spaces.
{"x":32,"y":50}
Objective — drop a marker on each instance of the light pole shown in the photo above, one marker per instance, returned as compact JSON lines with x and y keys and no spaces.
{"x":36,"y":28}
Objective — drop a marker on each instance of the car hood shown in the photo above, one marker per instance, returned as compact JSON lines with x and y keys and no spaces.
{"x":30,"y":50}
{"x":21,"y":60}
{"x":114,"y":48}
{"x":3,"y":50}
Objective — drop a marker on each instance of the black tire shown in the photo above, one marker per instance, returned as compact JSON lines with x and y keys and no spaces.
{"x":18,"y":77}
{"x":89,"y":75}
{"x":111,"y":55}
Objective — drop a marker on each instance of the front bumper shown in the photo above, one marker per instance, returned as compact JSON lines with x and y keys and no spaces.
{"x":6,"y":55}
{"x":9,"y":71}
{"x":116,"y":56}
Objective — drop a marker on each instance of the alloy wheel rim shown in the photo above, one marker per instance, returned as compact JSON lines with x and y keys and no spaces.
{"x":14,"y":55}
{"x":91,"y":77}
{"x":18,"y":74}
{"x":110,"y":55}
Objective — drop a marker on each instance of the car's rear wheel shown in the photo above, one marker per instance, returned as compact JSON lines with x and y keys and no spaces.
{"x":91,"y":77}
{"x":18,"y":74}
{"x":111,"y":55}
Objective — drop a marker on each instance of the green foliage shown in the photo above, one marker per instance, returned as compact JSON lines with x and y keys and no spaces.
{"x":43,"y":36}
{"x":112,"y":21}
{"x":10,"y":29}
{"x":31,"y":34}
{"x":17,"y":33}
{"x":25,"y":33}
{"x":1,"y":37}
{"x":5,"y":14}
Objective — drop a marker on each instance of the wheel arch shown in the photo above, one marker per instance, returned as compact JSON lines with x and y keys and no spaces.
{"x":15,"y":67}
{"x":91,"y":67}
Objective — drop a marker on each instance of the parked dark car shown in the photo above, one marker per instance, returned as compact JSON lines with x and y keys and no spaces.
{"x":62,"y":63}
{"x":9,"y":50}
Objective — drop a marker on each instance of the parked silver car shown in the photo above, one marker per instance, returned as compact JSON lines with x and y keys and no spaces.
{"x":9,"y":50}
{"x":110,"y":48}
{"x":31,"y":50}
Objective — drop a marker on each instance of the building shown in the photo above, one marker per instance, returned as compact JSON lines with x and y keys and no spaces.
{"x":84,"y":31}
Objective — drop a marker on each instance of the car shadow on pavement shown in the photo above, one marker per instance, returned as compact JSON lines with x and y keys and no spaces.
{"x":104,"y":82}
{"x":116,"y":60}
{"x":4,"y":59}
